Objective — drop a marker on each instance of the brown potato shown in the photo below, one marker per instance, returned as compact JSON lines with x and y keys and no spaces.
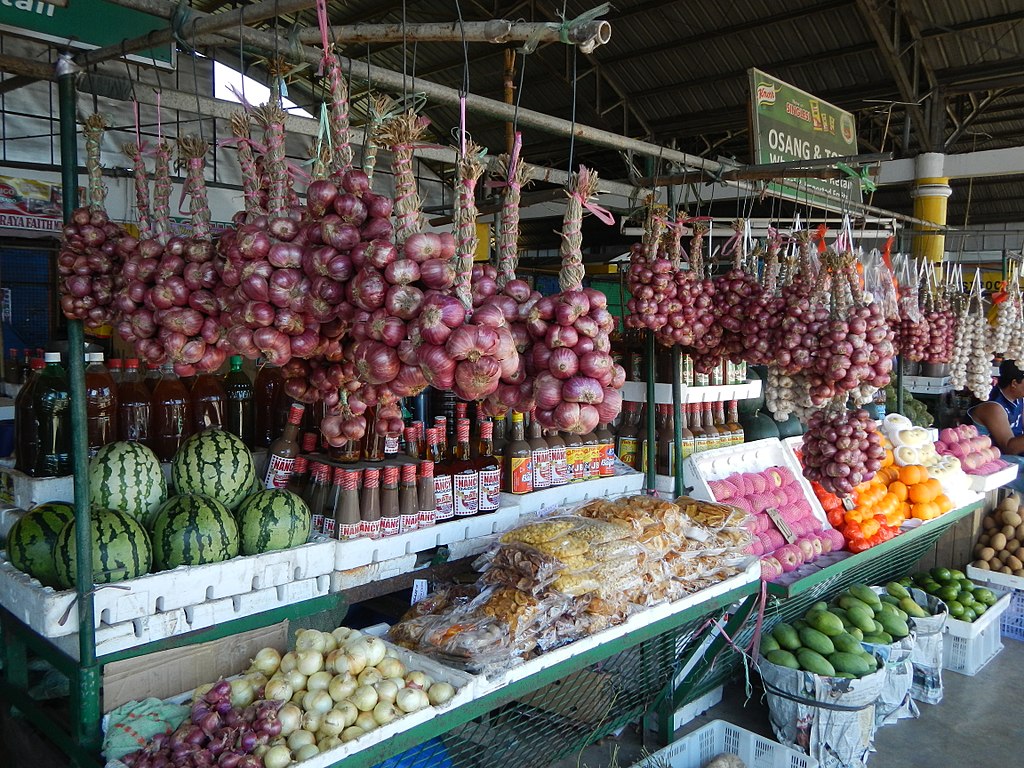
{"x":1002,"y":556}
{"x":1014,"y":562}
{"x":988,"y":523}
{"x":1019,"y":533}
{"x":1008,"y":531}
{"x":1012,"y":518}
{"x":1006,"y":569}
{"x":984,"y":539}
{"x":995,"y":563}
{"x":1019,"y":572}
{"x":1012,"y":545}
{"x":997,"y":541}
{"x":987,"y":553}
{"x":981,"y":565}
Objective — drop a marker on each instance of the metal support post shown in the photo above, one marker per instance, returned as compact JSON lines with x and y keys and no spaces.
{"x":649,"y":466}
{"x":677,"y":419}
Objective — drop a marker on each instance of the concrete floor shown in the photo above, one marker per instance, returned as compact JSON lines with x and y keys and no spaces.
{"x":978,"y":723}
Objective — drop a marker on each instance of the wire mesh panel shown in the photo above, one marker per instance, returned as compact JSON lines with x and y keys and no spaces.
{"x":562,"y":718}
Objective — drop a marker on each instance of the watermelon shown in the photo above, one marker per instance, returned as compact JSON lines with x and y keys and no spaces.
{"x":120,"y":549}
{"x":192,"y":530}
{"x":30,"y":540}
{"x":272,"y":520}
{"x":126,"y":476}
{"x":216,"y":464}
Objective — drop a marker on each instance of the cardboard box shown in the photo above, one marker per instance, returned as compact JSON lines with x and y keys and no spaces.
{"x":168,"y":673}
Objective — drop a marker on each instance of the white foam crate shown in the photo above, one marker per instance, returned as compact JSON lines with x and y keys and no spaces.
{"x":720,"y":463}
{"x":997,"y":479}
{"x":696,"y":749}
{"x":365,"y":574}
{"x":54,"y":613}
{"x":927,"y":385}
{"x":550,"y":499}
{"x":26,"y":492}
{"x":636,"y":391}
{"x":751,"y":572}
{"x":359,"y":552}
{"x":968,"y":646}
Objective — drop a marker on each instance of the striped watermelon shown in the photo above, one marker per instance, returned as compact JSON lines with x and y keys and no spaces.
{"x":31,"y":538}
{"x":127,"y":477}
{"x":192,"y":530}
{"x":120,"y":549}
{"x":216,"y":464}
{"x":272,"y":520}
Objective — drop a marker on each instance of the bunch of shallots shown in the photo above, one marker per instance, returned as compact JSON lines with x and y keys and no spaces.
{"x":841,"y":449}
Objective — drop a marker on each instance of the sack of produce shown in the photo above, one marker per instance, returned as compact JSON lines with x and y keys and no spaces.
{"x":830,"y":718}
{"x":895,"y":702}
{"x":926,"y":657}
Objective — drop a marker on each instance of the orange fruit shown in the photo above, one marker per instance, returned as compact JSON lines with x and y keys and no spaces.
{"x":935,"y":485}
{"x":912,"y":474}
{"x":922,"y":492}
{"x":943,"y":502}
{"x":924,"y":511}
{"x":887,"y":458}
{"x":898,"y":489}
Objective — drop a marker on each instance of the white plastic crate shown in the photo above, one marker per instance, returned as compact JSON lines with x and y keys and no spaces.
{"x":748,"y":457}
{"x":997,"y":479}
{"x":154,"y":597}
{"x":542,"y":502}
{"x":717,"y":737}
{"x":1012,"y":622}
{"x":968,"y":647}
{"x":360,"y":552}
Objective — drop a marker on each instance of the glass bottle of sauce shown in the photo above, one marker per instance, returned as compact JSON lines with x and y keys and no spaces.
{"x":116,"y":371}
{"x":591,"y":456}
{"x":172,"y":414}
{"x":574,"y":456}
{"x":369,"y":504}
{"x":346,"y":514}
{"x":412,"y":441}
{"x":329,"y":511}
{"x":540,"y":455}
{"x":688,"y":438}
{"x":726,"y":437}
{"x":488,"y":469}
{"x":52,"y":402}
{"x":268,"y":392}
{"x":209,"y":402}
{"x":500,"y":441}
{"x":316,"y":493}
{"x":282,"y":452}
{"x":628,"y":438}
{"x":238,"y":408}
{"x":373,"y":442}
{"x":734,"y":423}
{"x":299,"y":480}
{"x":390,"y":515}
{"x":425,"y":497}
{"x":408,"y":499}
{"x":645,"y":450}
{"x":465,"y":478}
{"x":134,"y":406}
{"x":26,"y":428}
{"x":665,"y":459}
{"x":700,"y":437}
{"x":606,"y":451}
{"x":713,"y":433}
{"x":441,"y":424}
{"x":518,"y":459}
{"x":100,"y":403}
{"x":559,"y":463}
{"x":443,"y":494}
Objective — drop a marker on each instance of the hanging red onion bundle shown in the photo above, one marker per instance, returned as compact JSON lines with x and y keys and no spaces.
{"x":764,"y":315}
{"x":93,"y":248}
{"x":912,"y":333}
{"x":692,"y":317}
{"x":577,"y":385}
{"x":650,"y":276}
{"x":941,"y":333}
{"x":841,"y":449}
{"x":737,"y":293}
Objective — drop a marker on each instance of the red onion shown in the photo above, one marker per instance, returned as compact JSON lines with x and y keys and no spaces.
{"x":437,"y":274}
{"x":563,"y":363}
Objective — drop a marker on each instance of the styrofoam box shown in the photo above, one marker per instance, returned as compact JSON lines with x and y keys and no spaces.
{"x":997,"y":479}
{"x":1013,"y":619}
{"x":751,"y":572}
{"x":696,"y":749}
{"x":229,"y":587}
{"x":968,"y":646}
{"x":360,"y":552}
{"x":27,"y":492}
{"x":636,"y":391}
{"x":748,"y":457}
{"x":365,"y":574}
{"x":540,"y":502}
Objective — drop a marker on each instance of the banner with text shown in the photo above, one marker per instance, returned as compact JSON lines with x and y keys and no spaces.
{"x":30,"y":205}
{"x":789,"y":124}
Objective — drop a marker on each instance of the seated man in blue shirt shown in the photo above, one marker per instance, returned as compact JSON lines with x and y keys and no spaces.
{"x":1002,"y":416}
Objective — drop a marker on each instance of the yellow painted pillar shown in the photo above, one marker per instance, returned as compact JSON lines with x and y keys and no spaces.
{"x":931,"y":191}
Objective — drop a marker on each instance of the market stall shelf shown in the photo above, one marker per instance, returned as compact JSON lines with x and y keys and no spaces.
{"x":927,"y":385}
{"x":994,"y":480}
{"x":636,"y":391}
{"x":539,"y":502}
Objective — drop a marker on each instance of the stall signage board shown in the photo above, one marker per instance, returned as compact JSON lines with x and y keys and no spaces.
{"x":86,"y":24}
{"x":31,"y":205}
{"x":789,"y":124}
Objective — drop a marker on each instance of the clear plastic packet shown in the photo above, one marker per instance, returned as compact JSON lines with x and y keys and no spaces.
{"x":409,"y":630}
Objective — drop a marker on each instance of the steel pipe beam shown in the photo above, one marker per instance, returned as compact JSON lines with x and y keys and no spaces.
{"x":587,"y":36}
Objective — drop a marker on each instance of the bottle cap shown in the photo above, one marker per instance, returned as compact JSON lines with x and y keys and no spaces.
{"x":295,"y":414}
{"x":349,"y":479}
{"x":36,"y":364}
{"x":236,"y":361}
{"x":408,"y":473}
{"x":440,"y":421}
{"x":426,"y":468}
{"x":115,"y":362}
{"x":517,"y":417}
{"x":486,"y":430}
{"x":132,"y":362}
{"x":51,"y":357}
{"x":309,"y":440}
{"x":391,"y":475}
{"x":371,"y":477}
{"x":338,"y":475}
{"x":419,"y":428}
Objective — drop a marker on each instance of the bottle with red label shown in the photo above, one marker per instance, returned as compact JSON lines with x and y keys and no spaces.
{"x":465,"y":477}
{"x":390,"y":516}
{"x":540,"y":455}
{"x":408,"y":499}
{"x":443,"y":495}
{"x":488,"y":470}
{"x":426,"y":499}
{"x":559,"y":462}
{"x":369,"y":504}
{"x":606,"y":450}
{"x":316,"y":495}
{"x":441,"y":424}
{"x":518,"y":459}
{"x":346,"y":512}
{"x":282,"y":452}
{"x":329,"y":512}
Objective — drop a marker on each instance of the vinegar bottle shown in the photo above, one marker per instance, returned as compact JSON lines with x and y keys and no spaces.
{"x":238,"y":409}
{"x":26,"y":428}
{"x":134,"y":409}
{"x":172,"y":414}
{"x":209,"y":401}
{"x":282,"y":452}
{"x":150,"y":374}
{"x":100,"y":403}
{"x":114,"y":366}
{"x":268,"y":392}
{"x":52,"y":402}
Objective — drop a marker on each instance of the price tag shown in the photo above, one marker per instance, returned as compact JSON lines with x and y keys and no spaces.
{"x":784,"y":529}
{"x":848,"y":503}
{"x":419,"y":590}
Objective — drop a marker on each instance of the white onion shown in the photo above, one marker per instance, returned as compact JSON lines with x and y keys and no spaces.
{"x":332,"y":723}
{"x":351,"y":733}
{"x":288,"y":662}
{"x":311,"y":720}
{"x":386,"y":691}
{"x":278,"y":690}
{"x":325,"y":742}
{"x":306,"y":752}
{"x":299,"y":739}
{"x":317,"y":701}
{"x":366,"y":721}
{"x":309,"y":662}
{"x":389,"y":667}
{"x":342,"y":686}
{"x":319,"y":681}
{"x":330,"y":642}
{"x":399,"y":681}
{"x":364,"y":697}
{"x":369,"y":676}
{"x":258,"y":679}
{"x":375,"y":650}
{"x":290,"y":717}
{"x":348,"y":711}
{"x":277,"y":757}
{"x":385,"y":712}
{"x":296,"y":680}
{"x":201,"y":691}
{"x":266,"y":660}
{"x":417,"y":679}
{"x":242,"y":693}
{"x":336,"y":661}
{"x":411,"y":699}
{"x":440,"y":693}
{"x":310,"y":640}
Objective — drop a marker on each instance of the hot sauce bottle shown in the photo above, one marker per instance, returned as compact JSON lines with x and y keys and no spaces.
{"x":408,"y":499}
{"x":346,"y":514}
{"x":489,"y":470}
{"x":518,"y":463}
{"x":369,"y":504}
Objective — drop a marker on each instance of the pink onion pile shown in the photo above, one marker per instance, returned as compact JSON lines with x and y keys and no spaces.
{"x":216,"y":734}
{"x":913,"y":336}
{"x":92,"y":251}
{"x":841,"y":449}
{"x":515,"y":388}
